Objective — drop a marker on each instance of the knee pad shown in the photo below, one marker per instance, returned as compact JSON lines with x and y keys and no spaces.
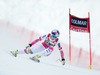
{"x":51,"y":48}
{"x":27,"y":51}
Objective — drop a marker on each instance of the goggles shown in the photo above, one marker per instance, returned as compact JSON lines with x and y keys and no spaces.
{"x":54,"y":36}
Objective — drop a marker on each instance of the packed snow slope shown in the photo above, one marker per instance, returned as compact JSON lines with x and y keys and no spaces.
{"x":13,"y":37}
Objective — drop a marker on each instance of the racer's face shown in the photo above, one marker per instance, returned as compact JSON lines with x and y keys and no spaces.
{"x":53,"y":37}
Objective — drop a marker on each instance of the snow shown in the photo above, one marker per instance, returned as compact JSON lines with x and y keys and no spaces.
{"x":42,"y":16}
{"x":10,"y":65}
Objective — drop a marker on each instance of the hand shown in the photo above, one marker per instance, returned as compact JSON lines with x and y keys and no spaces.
{"x":28,"y":47}
{"x":63,"y":61}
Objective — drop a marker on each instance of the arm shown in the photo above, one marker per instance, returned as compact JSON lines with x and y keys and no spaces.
{"x":60,"y":49}
{"x":61,"y":52}
{"x":37,"y":40}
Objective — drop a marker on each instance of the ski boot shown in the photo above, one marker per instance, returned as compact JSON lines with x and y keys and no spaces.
{"x":36,"y":58}
{"x":14,"y":53}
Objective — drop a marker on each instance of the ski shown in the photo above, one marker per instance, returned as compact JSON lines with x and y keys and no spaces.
{"x":12,"y":52}
{"x":35,"y":59}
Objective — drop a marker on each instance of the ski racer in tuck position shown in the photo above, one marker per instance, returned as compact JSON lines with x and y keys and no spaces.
{"x":45,"y":48}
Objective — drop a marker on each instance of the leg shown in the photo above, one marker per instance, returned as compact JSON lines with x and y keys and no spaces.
{"x":46,"y":52}
{"x":37,"y":48}
{"x":34,"y":49}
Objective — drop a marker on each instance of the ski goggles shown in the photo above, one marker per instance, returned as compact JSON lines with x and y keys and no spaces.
{"x":54,"y":36}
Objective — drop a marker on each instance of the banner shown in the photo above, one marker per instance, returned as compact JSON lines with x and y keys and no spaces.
{"x":79,"y":24}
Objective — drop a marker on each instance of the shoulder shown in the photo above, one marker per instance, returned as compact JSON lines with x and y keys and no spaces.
{"x":48,"y":35}
{"x":57,"y":40}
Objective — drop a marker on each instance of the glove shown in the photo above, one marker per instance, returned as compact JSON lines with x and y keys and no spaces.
{"x":28,"y":47}
{"x":63,"y":61}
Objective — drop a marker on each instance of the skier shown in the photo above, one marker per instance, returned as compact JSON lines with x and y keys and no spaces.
{"x":45,"y":48}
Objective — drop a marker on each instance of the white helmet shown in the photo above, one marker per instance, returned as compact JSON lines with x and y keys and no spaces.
{"x":55,"y":33}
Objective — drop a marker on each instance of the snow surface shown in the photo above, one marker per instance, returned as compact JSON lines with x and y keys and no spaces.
{"x":22,"y":65}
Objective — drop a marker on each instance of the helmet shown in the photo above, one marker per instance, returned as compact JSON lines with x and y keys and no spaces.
{"x":55,"y":33}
